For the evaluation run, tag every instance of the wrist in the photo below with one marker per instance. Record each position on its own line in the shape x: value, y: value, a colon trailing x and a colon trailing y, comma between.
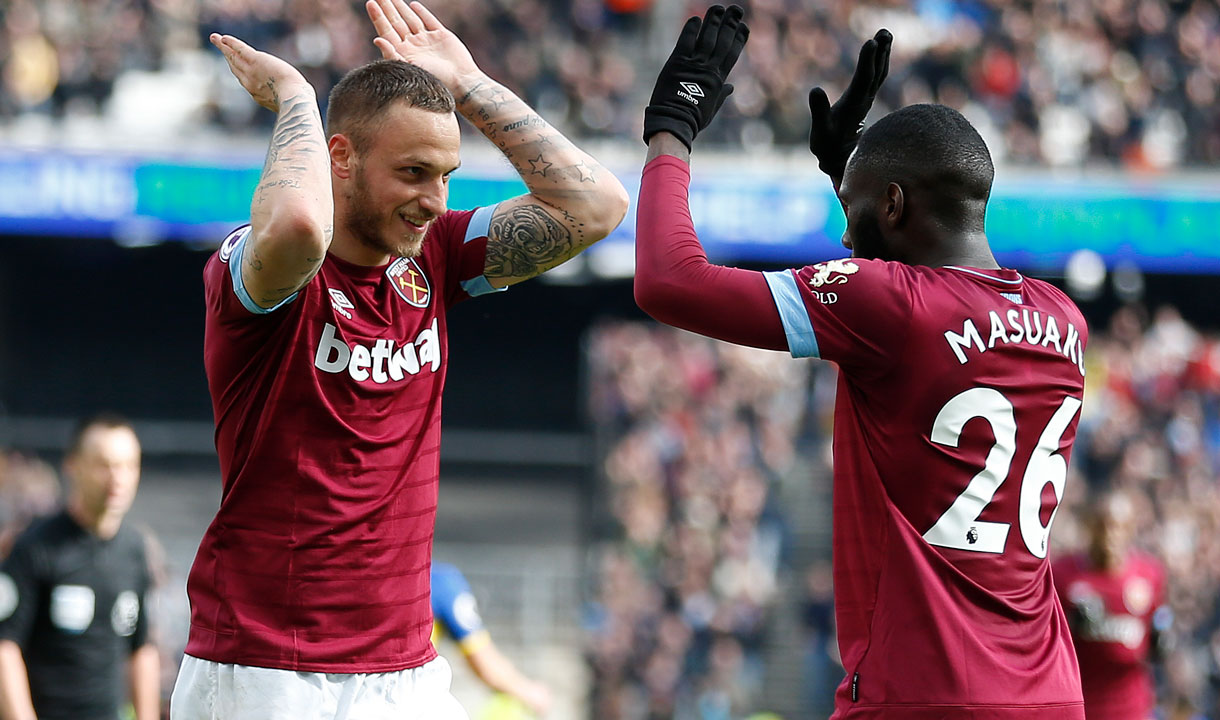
x: 464, y: 86
x: 291, y: 89
x: 666, y: 143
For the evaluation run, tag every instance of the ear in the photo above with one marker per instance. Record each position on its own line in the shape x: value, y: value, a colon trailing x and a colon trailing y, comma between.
x: 342, y: 155
x: 895, y: 205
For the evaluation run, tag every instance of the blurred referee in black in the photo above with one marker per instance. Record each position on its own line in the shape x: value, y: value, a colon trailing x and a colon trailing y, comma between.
x: 72, y: 594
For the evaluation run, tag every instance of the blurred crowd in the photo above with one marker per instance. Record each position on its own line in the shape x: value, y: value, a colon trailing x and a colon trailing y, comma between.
x: 1060, y: 82
x: 1151, y: 425
x: 696, y: 435
x: 29, y: 489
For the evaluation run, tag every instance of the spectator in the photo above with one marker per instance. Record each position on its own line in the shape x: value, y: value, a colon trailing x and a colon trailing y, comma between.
x: 1113, y: 600
x: 28, y: 489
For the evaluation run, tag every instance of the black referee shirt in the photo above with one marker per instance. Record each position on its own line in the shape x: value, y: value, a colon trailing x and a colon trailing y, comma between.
x: 75, y: 604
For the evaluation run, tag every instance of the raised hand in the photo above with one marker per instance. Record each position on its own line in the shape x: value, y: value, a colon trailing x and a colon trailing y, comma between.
x: 835, y: 129
x: 691, y: 86
x: 412, y: 33
x: 268, y: 79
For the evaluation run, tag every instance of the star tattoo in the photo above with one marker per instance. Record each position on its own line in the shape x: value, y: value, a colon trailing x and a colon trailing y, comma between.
x: 538, y: 166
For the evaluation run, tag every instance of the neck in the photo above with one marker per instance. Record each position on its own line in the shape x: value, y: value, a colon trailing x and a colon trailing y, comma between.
x: 965, y: 249
x: 1107, y: 562
x: 103, y: 524
x: 345, y: 246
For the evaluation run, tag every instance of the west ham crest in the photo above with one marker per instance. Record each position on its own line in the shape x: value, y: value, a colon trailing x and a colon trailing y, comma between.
x: 409, y: 282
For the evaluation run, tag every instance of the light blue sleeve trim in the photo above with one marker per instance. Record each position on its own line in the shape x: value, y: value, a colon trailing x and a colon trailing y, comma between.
x: 477, y: 286
x: 801, y: 340
x: 480, y: 225
x: 239, y: 285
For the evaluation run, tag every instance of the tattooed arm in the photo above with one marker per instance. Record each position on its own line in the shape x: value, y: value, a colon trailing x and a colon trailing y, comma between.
x: 573, y: 201
x: 292, y: 213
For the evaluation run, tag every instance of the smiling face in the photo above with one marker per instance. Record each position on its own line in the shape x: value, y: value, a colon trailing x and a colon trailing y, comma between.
x: 389, y: 192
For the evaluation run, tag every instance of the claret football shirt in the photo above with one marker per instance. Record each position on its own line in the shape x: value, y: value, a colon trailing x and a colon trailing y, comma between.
x: 328, y: 414
x: 958, y: 397
x: 959, y: 394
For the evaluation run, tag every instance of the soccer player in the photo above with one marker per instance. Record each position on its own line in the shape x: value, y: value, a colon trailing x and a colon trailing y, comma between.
x: 325, y: 350
x: 1114, y: 596
x: 73, y: 620
x: 456, y: 614
x: 959, y: 388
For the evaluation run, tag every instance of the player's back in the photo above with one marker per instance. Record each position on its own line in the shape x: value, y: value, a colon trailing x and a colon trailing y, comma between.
x: 956, y: 410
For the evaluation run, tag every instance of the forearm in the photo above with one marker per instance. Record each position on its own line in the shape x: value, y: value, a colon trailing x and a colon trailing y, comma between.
x: 296, y: 173
x: 586, y: 196
x: 501, y: 675
x: 495, y: 670
x: 292, y: 212
x: 674, y: 282
x: 15, y: 701
x: 293, y: 196
x: 145, y: 682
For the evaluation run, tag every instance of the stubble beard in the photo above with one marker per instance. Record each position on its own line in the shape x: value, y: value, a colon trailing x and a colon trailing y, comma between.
x: 365, y: 224
x: 868, y: 243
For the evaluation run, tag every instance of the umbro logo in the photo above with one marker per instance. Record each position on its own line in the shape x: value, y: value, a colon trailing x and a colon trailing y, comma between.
x: 692, y: 88
x: 691, y: 92
x: 340, y: 302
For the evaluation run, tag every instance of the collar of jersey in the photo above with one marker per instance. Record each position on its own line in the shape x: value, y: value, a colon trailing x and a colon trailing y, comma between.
x: 351, y: 269
x: 1002, y: 277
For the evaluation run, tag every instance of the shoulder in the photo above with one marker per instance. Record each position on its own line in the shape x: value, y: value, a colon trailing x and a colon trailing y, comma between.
x: 457, y: 227
x: 131, y: 539
x: 849, y: 267
x: 40, y: 540
x: 218, y: 270
x: 226, y: 254
x: 47, y: 530
x: 1058, y: 298
x: 852, y: 277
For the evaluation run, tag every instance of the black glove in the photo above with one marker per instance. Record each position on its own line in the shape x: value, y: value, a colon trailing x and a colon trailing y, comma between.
x: 691, y: 86
x: 836, y: 129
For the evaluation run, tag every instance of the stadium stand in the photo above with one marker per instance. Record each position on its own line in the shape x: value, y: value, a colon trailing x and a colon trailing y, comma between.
x: 696, y: 435
x: 1129, y: 83
x: 1152, y: 426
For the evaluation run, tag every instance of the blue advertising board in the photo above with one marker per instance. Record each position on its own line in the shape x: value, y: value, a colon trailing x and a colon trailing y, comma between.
x: 774, y: 217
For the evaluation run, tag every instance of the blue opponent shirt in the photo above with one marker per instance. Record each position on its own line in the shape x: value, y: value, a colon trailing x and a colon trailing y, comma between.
x: 454, y: 609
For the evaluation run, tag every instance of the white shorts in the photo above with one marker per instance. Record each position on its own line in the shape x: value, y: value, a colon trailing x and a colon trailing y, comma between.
x: 207, y: 690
